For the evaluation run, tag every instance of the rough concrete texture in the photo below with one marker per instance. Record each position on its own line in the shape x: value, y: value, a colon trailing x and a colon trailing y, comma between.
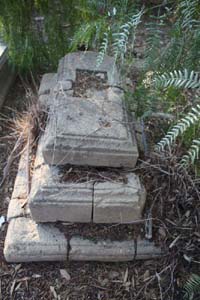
x: 18, y: 203
x: 111, y: 251
x: 90, y: 131
x: 51, y: 201
x: 47, y: 83
x: 27, y: 241
x: 87, y: 61
x: 116, y: 202
x: 7, y: 75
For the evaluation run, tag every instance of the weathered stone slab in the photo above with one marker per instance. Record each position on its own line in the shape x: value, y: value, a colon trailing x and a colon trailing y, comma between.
x: 47, y: 83
x: 90, y: 131
x: 87, y: 61
x: 17, y: 206
x: 7, y: 75
x: 116, y: 202
x: 27, y: 241
x: 111, y: 251
x: 51, y: 201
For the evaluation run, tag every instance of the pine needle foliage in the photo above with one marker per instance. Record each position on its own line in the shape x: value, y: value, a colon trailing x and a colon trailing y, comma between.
x: 192, y: 287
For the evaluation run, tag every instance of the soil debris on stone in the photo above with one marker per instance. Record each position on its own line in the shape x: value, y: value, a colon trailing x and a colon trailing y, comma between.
x: 86, y: 80
x: 80, y: 174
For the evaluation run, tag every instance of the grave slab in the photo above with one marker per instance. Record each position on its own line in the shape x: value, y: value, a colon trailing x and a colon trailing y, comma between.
x: 111, y: 251
x: 18, y: 204
x: 90, y: 131
x: 51, y: 201
x: 87, y: 61
x: 116, y: 202
x: 47, y: 83
x: 27, y: 241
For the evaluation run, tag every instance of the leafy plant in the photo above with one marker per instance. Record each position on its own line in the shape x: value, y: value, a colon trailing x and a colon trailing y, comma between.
x: 184, y: 79
x: 192, y: 287
x: 190, y: 119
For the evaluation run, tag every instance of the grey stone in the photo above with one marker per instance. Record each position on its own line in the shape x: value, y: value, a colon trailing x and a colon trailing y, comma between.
x: 18, y: 203
x: 90, y: 131
x: 116, y: 202
x: 87, y: 61
x: 50, y: 200
x: 47, y: 83
x: 7, y: 74
x: 111, y: 251
x: 27, y: 241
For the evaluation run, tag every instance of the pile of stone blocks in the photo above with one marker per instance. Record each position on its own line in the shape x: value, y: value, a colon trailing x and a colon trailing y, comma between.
x: 93, y: 130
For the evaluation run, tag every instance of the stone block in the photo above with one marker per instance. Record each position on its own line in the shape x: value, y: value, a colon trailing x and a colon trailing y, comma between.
x: 7, y: 74
x: 90, y: 131
x: 17, y: 206
x: 111, y: 251
x: 116, y: 202
x: 51, y: 201
x: 72, y: 62
x: 27, y: 241
x: 47, y: 83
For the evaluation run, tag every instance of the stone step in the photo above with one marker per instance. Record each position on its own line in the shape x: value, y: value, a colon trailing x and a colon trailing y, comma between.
x: 109, y: 201
x: 27, y: 241
x: 94, y: 129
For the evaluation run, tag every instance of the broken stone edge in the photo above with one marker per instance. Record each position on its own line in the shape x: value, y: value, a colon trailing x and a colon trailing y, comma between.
x: 27, y: 241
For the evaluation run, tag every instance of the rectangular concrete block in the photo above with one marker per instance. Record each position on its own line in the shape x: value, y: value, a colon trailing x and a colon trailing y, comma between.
x: 111, y: 251
x: 90, y: 131
x: 7, y: 74
x: 50, y: 200
x: 118, y: 202
x: 87, y: 61
x: 17, y: 206
x: 47, y: 83
x: 27, y: 241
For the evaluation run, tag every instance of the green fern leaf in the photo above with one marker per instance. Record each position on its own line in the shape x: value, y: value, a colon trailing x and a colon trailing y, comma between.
x: 192, y: 287
x: 179, y: 79
x: 190, y: 119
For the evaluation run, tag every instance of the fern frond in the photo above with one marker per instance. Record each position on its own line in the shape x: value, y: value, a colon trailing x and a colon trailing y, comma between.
x: 192, y: 287
x: 188, y: 10
x: 192, y: 153
x: 102, y: 50
x: 121, y: 38
x: 183, y: 79
x: 190, y: 119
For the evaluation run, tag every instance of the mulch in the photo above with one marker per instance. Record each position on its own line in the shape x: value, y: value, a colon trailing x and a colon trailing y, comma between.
x: 173, y: 203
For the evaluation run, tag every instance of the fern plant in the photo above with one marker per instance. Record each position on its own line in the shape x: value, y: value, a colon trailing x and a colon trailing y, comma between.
x: 192, y: 287
x: 190, y: 119
x: 183, y: 79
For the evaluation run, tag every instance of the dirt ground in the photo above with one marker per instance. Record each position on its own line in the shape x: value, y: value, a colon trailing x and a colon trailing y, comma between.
x: 175, y: 218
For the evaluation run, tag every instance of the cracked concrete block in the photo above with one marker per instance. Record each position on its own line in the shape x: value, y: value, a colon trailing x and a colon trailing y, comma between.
x: 17, y: 206
x: 90, y: 131
x: 111, y: 251
x: 27, y: 241
x: 51, y: 200
x: 87, y: 61
x: 118, y: 202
